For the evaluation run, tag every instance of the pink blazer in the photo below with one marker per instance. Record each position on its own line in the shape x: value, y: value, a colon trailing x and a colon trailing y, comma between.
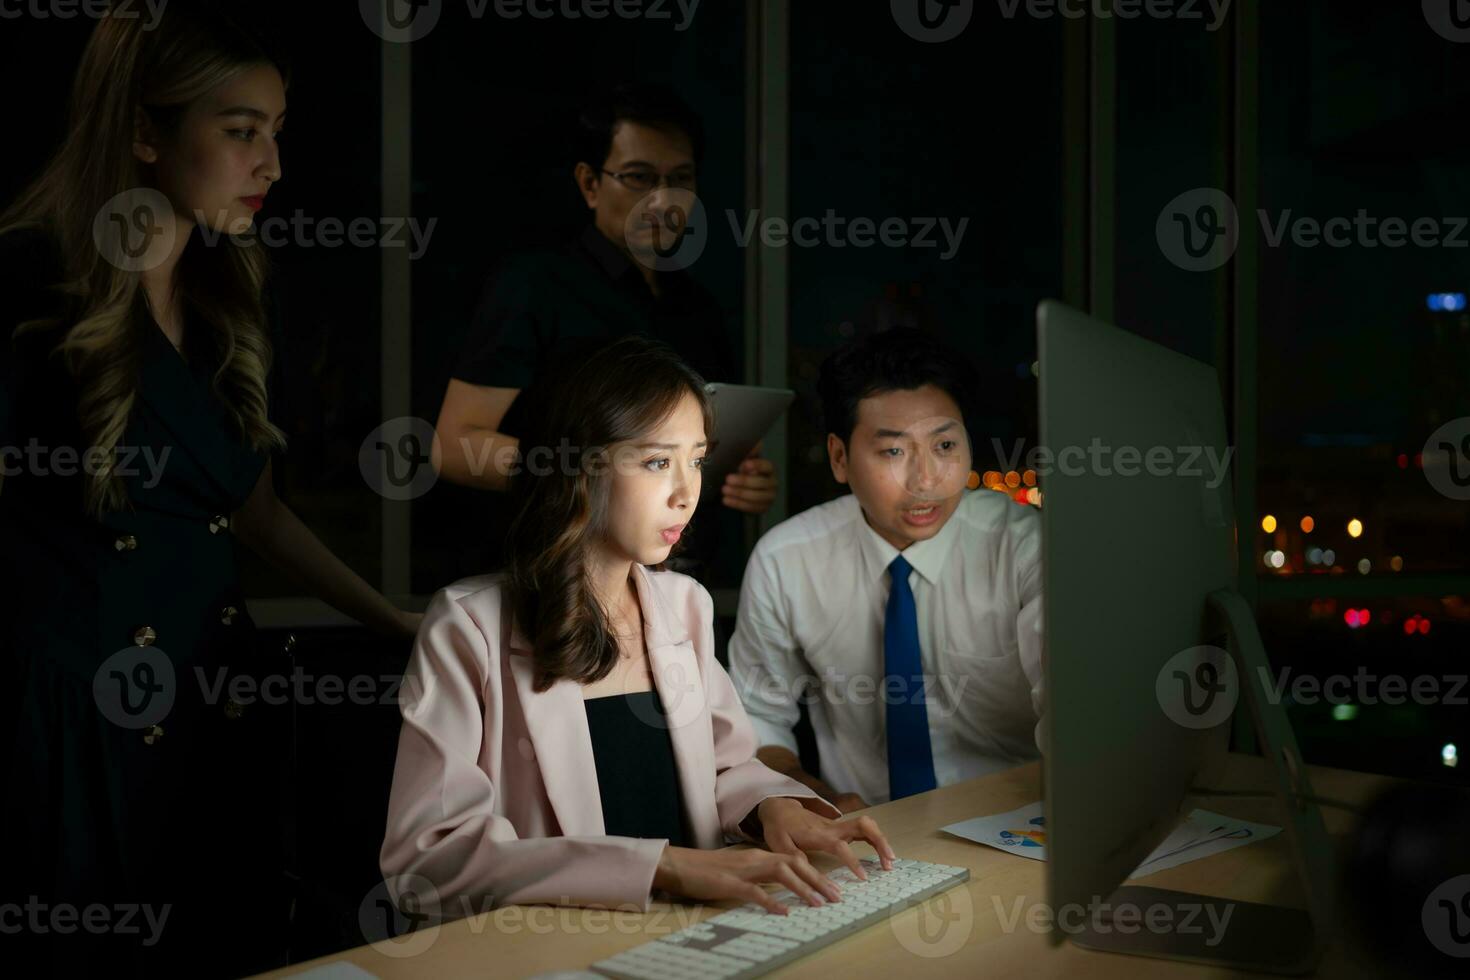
x: 495, y: 797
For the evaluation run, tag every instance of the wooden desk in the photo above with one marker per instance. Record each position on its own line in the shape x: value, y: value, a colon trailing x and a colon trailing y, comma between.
x: 972, y: 931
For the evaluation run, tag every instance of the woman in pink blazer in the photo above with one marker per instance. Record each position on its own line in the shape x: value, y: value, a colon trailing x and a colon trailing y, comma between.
x: 568, y: 736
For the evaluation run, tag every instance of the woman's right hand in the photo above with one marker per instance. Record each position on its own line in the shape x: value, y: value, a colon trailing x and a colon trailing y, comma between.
x: 722, y: 874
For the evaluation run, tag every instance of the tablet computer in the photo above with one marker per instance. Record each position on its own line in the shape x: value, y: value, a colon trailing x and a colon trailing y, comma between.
x: 743, y: 416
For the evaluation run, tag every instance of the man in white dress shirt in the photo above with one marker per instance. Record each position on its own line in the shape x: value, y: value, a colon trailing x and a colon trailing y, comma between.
x: 922, y: 685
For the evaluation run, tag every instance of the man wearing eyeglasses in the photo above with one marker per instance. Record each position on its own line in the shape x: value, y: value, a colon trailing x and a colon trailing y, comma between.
x: 637, y: 151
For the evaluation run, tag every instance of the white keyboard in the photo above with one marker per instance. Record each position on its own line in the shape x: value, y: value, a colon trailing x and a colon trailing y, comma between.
x: 750, y: 942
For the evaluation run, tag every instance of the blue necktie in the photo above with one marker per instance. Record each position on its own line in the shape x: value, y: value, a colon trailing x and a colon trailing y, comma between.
x: 910, y: 760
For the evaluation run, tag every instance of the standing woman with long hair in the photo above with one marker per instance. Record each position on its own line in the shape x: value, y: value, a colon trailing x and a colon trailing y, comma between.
x: 142, y: 818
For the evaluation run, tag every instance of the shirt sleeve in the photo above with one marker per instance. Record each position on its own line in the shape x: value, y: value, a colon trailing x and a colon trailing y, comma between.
x: 766, y: 664
x: 742, y: 781
x: 1027, y: 562
x: 445, y: 843
x: 507, y: 331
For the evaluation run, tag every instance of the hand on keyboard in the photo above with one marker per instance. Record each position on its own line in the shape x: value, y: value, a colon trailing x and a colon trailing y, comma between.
x: 791, y: 828
x: 715, y: 875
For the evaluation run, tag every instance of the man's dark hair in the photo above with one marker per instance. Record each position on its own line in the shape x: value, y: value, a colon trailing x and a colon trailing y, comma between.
x: 892, y: 360
x: 647, y: 103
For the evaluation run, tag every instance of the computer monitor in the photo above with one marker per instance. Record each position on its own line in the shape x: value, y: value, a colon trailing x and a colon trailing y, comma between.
x: 1148, y: 648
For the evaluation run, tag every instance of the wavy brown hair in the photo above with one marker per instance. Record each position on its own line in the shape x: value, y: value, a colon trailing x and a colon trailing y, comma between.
x: 161, y: 68
x: 616, y: 394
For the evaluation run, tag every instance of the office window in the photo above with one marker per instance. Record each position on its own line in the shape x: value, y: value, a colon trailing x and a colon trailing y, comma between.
x: 960, y: 142
x: 1364, y: 336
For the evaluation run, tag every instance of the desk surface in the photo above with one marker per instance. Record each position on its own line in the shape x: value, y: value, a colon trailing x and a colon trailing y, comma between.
x: 971, y: 931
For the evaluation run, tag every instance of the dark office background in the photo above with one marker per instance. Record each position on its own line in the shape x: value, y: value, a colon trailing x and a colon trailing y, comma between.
x: 1060, y: 141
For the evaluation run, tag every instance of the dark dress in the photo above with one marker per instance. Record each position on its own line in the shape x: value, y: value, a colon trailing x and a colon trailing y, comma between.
x: 133, y: 782
x: 636, y: 776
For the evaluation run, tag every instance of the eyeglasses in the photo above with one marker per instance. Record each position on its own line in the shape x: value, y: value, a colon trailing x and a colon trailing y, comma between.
x: 646, y: 180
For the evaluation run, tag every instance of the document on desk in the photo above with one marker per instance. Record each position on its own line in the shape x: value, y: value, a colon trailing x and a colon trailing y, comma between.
x: 1198, y: 835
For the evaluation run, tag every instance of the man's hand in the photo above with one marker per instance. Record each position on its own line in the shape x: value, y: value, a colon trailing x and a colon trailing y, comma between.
x: 751, y: 489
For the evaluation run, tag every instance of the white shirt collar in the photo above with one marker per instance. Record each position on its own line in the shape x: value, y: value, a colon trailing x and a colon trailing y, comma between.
x: 927, y: 557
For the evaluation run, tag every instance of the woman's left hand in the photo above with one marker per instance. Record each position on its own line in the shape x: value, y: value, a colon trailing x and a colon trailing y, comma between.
x: 791, y: 828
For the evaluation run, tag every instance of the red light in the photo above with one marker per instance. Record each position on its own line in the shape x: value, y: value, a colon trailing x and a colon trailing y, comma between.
x: 1363, y: 617
x: 1419, y: 460
x: 1351, y: 618
x: 1403, y: 461
x: 1409, y: 626
x: 1423, y: 626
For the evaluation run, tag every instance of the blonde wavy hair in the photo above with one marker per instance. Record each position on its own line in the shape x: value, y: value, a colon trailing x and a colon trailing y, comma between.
x: 192, y: 49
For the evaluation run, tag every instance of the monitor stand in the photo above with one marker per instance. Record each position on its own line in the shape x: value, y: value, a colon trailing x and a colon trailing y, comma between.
x: 1263, y: 938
